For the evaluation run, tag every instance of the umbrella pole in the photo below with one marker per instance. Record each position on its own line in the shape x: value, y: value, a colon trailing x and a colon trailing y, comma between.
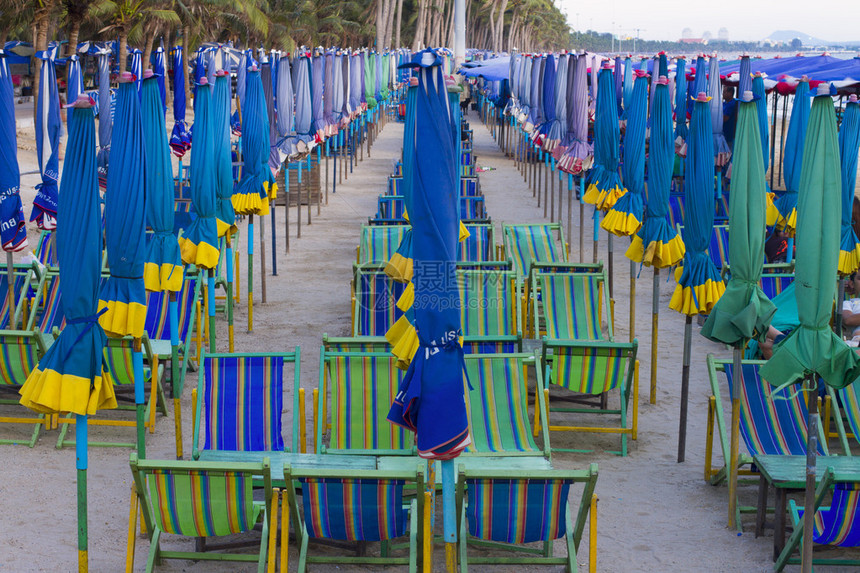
x: 341, y: 134
x: 569, y: 208
x: 274, y: 241
x: 539, y: 173
x: 632, y: 300
x: 334, y: 170
x: 251, y: 272
x: 230, y: 272
x: 319, y: 178
x: 546, y: 174
x: 449, y: 518
x: 139, y: 396
x: 173, y: 310
x: 809, y: 495
x: 308, y: 159
x: 327, y: 142
x: 596, y: 228
x: 10, y: 284
x: 737, y: 372
x: 840, y: 290
x: 299, y: 202
x: 210, y: 293
x: 81, y: 464
x: 551, y: 190
x: 560, y: 175
x: 655, y: 318
x: 581, y: 219
x: 263, y: 257
x: 685, y: 388
x: 610, y: 257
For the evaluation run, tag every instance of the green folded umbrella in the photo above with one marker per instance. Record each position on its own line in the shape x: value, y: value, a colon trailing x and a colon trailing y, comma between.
x: 744, y: 311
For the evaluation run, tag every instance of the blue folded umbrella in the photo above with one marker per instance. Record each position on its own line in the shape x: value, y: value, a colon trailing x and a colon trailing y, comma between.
x: 13, y: 234
x: 49, y: 128
x: 180, y: 138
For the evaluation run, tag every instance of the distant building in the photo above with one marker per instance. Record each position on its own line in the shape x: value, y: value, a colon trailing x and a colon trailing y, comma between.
x: 692, y: 41
x: 723, y: 34
x: 706, y: 36
x: 686, y: 33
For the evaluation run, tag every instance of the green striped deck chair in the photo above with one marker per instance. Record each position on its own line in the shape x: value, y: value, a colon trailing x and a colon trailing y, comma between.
x: 497, y: 404
x: 489, y: 310
x: 374, y: 301
x: 240, y: 402
x: 46, y: 250
x: 846, y: 410
x: 591, y: 369
x: 534, y: 243
x: 26, y: 277
x: 202, y: 500
x: 523, y: 513
x: 118, y: 359
x: 774, y: 283
x: 356, y: 390
x: 379, y: 242
x: 46, y: 308
x: 395, y: 184
x: 355, y: 343
x: 357, y: 506
x: 480, y: 245
x: 20, y: 352
x: 570, y: 305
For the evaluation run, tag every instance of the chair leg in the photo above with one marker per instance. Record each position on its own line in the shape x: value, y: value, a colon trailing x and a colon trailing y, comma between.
x: 132, y: 537
x: 463, y: 541
x: 413, y: 536
x: 154, y: 551
x: 709, y: 439
x: 303, y: 551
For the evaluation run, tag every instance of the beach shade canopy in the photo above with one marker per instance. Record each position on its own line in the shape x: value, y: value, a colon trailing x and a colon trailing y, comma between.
x: 627, y: 82
x: 251, y: 196
x: 336, y: 94
x: 222, y: 157
x: 657, y: 243
x: 722, y: 152
x: 744, y: 311
x: 74, y: 78
x: 159, y: 68
x: 605, y: 187
x: 680, y: 102
x: 180, y: 138
x: 49, y: 128
x: 557, y: 123
x: 578, y: 153
x: 619, y: 87
x: 547, y: 95
x: 199, y: 243
x: 105, y: 119
x: 135, y: 62
x: 329, y: 120
x: 268, y: 75
x: 699, y: 286
x: 163, y: 269
x: 122, y: 304
x: 813, y: 347
x: 70, y: 377
x: 625, y: 216
x: 434, y: 383
x: 317, y: 78
x: 535, y: 117
x: 369, y: 81
x: 849, y: 144
x: 355, y: 82
x: 284, y: 98
x: 793, y: 156
x: 13, y: 234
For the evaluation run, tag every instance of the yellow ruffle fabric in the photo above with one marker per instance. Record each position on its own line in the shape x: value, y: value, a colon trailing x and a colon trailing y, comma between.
x: 250, y: 204
x: 404, y: 341
x: 790, y: 224
x: 407, y: 298
x: 592, y: 194
x: 122, y: 318
x: 849, y: 261
x: 620, y: 224
x: 464, y: 233
x: 609, y: 197
x: 771, y: 212
x: 49, y: 392
x: 224, y: 228
x: 706, y: 296
x: 164, y: 277
x: 657, y: 254
x: 399, y: 268
x: 272, y: 191
x: 202, y: 255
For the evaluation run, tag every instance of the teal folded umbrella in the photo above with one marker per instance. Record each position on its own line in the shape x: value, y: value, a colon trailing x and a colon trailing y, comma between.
x: 793, y: 156
x: 849, y: 143
x: 222, y: 157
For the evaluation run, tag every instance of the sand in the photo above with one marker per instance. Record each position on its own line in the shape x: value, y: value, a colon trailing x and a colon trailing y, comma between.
x: 654, y: 514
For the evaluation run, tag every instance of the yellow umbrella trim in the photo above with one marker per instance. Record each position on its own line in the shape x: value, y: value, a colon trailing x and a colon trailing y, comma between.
x: 706, y: 296
x: 202, y: 255
x: 122, y: 318
x: 164, y: 277
x: 657, y: 254
x: 50, y: 392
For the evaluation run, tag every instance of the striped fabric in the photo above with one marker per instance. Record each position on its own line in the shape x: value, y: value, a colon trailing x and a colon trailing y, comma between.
x: 395, y: 185
x: 497, y: 406
x: 721, y: 215
x: 850, y: 401
x: 676, y: 209
x: 243, y: 403
x: 118, y: 358
x: 490, y: 346
x: 487, y: 302
x: 516, y: 511
x: 472, y: 208
x: 570, y: 304
x: 390, y: 208
x: 772, y: 422
x: 839, y: 524
x: 354, y: 509
x: 376, y: 296
x: 379, y: 242
x: 18, y: 358
x: 479, y: 246
x: 157, y: 324
x: 531, y: 243
x: 4, y: 288
x: 774, y: 284
x: 52, y: 314
x: 46, y: 250
x: 719, y: 247
x: 469, y: 187
x: 362, y: 390
x: 589, y: 370
x: 202, y: 503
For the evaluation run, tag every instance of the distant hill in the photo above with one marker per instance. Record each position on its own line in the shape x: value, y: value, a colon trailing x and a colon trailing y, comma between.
x: 787, y: 36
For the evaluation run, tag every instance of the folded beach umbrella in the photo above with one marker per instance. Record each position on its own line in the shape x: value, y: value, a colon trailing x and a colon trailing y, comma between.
x: 625, y: 216
x: 535, y: 98
x: 317, y: 83
x: 657, y: 243
x: 680, y: 102
x: 13, y: 234
x: 268, y: 77
x: 369, y: 80
x: 180, y: 138
x: 163, y: 269
x: 722, y: 152
x: 525, y: 89
x: 595, y: 70
x: 241, y: 75
x: 199, y: 71
x: 605, y: 188
x: 49, y: 128
x: 252, y: 194
x: 618, y: 74
x: 627, y: 82
x: 135, y: 62
x: 222, y: 157
x: 71, y: 376
x: 547, y: 100
x: 211, y: 65
x: 105, y: 119
x: 699, y: 286
x: 337, y: 92
x: 792, y: 157
x: 159, y: 68
x: 284, y: 99
x: 558, y: 126
x: 579, y: 154
x: 760, y: 98
x: 362, y: 78
x: 849, y: 145
x: 385, y: 78
x: 356, y: 75
x: 74, y: 79
x: 329, y: 121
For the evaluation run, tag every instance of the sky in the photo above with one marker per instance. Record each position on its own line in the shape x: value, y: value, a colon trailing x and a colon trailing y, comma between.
x: 744, y: 19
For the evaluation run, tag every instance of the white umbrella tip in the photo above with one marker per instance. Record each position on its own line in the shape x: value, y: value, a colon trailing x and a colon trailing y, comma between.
x: 126, y: 77
x: 148, y: 73
x: 83, y: 101
x: 823, y: 89
x: 748, y: 96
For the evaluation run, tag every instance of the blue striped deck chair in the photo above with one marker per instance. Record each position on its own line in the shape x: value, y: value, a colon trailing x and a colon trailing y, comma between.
x: 524, y: 513
x: 721, y: 213
x: 48, y: 315
x: 480, y: 245
x: 470, y: 187
x: 473, y: 208
x: 676, y: 210
x: 774, y: 283
x: 118, y: 359
x: 356, y: 390
x: 591, y: 369
x: 46, y: 250
x: 718, y: 248
x: 467, y: 170
x: 391, y: 208
x: 497, y: 404
x: 24, y: 277
x: 570, y: 305
x: 528, y: 244
x: 395, y: 185
x: 374, y: 302
x: 378, y: 243
x: 489, y: 311
x: 398, y: 169
x: 202, y: 500
x: 846, y: 410
x: 355, y: 343
x: 771, y: 422
x: 357, y: 506
x: 240, y: 403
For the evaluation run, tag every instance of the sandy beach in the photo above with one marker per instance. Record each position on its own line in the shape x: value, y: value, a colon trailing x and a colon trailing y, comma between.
x: 654, y: 514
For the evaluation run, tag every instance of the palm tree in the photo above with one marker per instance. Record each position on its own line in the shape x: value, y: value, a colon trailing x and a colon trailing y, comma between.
x: 125, y: 17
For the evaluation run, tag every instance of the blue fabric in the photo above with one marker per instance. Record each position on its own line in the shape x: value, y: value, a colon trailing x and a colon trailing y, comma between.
x: 316, y: 81
x: 619, y: 87
x: 633, y: 168
x: 680, y: 100
x: 105, y: 119
x: 849, y: 143
x: 13, y: 234
x: 606, y: 133
x: 535, y: 100
x: 492, y: 70
x: 74, y: 81
x: 255, y: 138
x: 627, y: 83
x: 135, y: 58
x: 221, y: 153
x: 284, y: 98
x: 548, y: 94
x: 204, y: 228
x: 180, y: 138
x: 792, y: 162
x: 159, y: 68
x: 761, y: 107
x: 716, y: 104
x: 49, y: 128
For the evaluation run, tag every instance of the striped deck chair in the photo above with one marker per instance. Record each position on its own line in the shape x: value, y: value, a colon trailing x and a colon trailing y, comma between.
x: 201, y: 500
x: 470, y: 187
x: 513, y: 511
x: 676, y: 210
x: 570, y: 305
x: 837, y: 525
x: 480, y: 245
x: 498, y: 406
x: 355, y: 392
x: 391, y: 208
x: 534, y: 243
x: 378, y: 243
x: 468, y: 170
x: 718, y: 248
x: 240, y: 402
x: 20, y: 352
x: 374, y: 302
x: 24, y: 276
x: 774, y: 283
x: 46, y: 250
x: 46, y: 311
x: 357, y: 506
x: 489, y: 311
x: 721, y: 214
x: 395, y: 185
x: 119, y: 362
x: 591, y: 369
x: 846, y: 409
x: 355, y: 343
x: 473, y: 208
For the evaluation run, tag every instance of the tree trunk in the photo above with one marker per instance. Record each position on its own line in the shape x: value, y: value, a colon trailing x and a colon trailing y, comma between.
x: 500, y: 27
x: 123, y: 49
x: 74, y: 32
x: 147, y: 51
x: 380, y: 25
x: 186, y: 45
x: 419, y: 26
x: 40, y: 23
x: 451, y: 32
x: 388, y: 19
x: 397, y: 19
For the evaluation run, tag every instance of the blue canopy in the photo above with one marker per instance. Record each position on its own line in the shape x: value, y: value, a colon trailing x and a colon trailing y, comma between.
x: 722, y: 151
x: 49, y: 128
x: 13, y: 234
x: 136, y: 65
x: 547, y: 90
x: 284, y: 98
x: 792, y: 157
x: 317, y: 78
x: 578, y: 154
x: 849, y: 144
x: 180, y: 138
x: 74, y: 79
x: 493, y: 70
x: 535, y: 100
